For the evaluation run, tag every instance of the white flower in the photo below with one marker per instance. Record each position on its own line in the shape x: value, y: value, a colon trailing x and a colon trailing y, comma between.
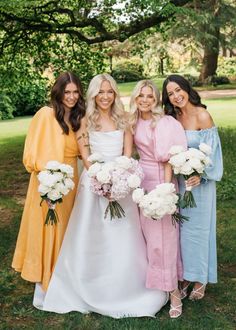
x: 49, y: 179
x: 108, y: 166
x: 205, y: 148
x: 196, y: 164
x: 137, y: 195
x: 187, y: 169
x: 133, y: 181
x: 54, y: 195
x: 53, y: 165
x: 195, y: 153
x: 165, y: 188
x: 95, y: 157
x: 61, y: 188
x: 103, y: 176
x: 94, y: 169
x: 67, y: 169
x: 178, y: 160
x: 123, y: 162
x: 176, y: 149
x: 43, y: 190
x: 207, y: 161
x: 69, y: 183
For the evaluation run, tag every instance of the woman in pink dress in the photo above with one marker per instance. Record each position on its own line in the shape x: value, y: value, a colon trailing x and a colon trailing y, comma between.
x: 154, y: 135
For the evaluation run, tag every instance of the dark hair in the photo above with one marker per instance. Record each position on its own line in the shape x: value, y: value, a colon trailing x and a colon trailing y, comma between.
x: 57, y: 94
x: 184, y: 84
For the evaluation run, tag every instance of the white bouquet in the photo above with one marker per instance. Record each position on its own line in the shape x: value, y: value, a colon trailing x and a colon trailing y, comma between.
x: 159, y: 202
x: 189, y: 163
x: 55, y: 182
x: 114, y: 180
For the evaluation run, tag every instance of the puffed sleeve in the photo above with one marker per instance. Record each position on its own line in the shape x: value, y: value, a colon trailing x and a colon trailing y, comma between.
x: 44, y: 141
x: 210, y: 136
x: 168, y: 132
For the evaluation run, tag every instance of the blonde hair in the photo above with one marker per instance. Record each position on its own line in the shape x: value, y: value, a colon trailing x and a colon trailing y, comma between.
x: 92, y: 113
x: 157, y: 111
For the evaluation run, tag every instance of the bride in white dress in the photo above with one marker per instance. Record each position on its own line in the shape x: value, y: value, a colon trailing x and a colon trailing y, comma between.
x: 102, y: 263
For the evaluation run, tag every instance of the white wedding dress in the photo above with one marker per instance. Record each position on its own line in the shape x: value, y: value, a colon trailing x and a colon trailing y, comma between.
x: 102, y: 263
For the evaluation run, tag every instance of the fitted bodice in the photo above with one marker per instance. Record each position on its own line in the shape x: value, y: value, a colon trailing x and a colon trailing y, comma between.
x: 109, y: 144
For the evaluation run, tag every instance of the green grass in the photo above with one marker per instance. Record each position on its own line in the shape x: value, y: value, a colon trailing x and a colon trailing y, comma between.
x: 223, y: 111
x: 14, y: 127
x: 215, y: 311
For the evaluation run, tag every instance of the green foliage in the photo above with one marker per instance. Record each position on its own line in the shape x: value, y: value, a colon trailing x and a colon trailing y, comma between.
x: 6, y: 107
x: 128, y: 70
x: 227, y: 67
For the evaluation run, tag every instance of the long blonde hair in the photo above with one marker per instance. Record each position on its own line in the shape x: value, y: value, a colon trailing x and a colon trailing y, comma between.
x: 92, y: 113
x: 157, y: 111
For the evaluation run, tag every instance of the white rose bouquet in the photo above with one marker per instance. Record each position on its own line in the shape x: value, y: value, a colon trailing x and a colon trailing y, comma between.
x: 189, y: 163
x: 55, y: 182
x: 114, y: 180
x: 159, y: 202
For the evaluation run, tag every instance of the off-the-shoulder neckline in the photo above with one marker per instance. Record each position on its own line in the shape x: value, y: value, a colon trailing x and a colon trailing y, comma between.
x: 201, y: 130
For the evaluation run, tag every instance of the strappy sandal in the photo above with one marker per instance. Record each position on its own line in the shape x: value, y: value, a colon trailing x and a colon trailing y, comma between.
x: 177, y: 309
x: 184, y: 291
x: 197, y: 294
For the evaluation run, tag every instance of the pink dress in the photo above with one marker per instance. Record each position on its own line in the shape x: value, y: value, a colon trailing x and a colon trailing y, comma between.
x: 162, y: 237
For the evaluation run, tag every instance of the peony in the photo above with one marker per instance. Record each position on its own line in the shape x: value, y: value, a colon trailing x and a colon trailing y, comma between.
x: 187, y: 169
x: 54, y: 195
x: 174, y: 150
x: 67, y: 169
x: 43, y: 190
x: 178, y: 160
x: 53, y: 165
x: 95, y: 157
x: 69, y: 183
x: 94, y: 169
x: 103, y: 176
x: 165, y: 188
x: 123, y: 162
x: 48, y: 179
x: 205, y: 148
x: 137, y: 195
x: 134, y: 181
x: 61, y: 188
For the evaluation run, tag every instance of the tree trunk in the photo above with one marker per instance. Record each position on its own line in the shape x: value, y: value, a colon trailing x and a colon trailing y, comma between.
x: 209, y: 63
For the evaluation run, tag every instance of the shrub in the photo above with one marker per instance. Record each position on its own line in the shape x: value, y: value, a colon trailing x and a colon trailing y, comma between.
x: 125, y: 71
x: 227, y: 67
x: 217, y: 80
x: 6, y: 107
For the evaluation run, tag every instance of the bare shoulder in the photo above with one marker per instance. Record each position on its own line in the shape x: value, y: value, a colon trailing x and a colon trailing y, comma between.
x: 204, y: 119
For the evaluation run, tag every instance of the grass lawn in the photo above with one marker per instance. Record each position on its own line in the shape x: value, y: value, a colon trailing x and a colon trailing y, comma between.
x: 215, y: 311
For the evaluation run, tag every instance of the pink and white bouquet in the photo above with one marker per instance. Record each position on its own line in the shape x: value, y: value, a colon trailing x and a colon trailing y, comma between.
x: 114, y: 180
x: 161, y: 201
x: 189, y: 163
x: 55, y: 182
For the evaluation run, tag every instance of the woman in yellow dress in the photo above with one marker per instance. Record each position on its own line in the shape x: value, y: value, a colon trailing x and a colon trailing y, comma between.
x: 51, y: 136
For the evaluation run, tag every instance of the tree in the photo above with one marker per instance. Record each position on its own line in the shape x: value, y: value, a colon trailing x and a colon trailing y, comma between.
x: 87, y: 21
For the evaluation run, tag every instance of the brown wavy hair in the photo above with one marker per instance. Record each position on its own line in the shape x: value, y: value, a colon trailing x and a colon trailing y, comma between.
x: 184, y: 84
x: 57, y: 94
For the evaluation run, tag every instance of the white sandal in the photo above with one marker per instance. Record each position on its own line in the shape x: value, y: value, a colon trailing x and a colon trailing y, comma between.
x: 184, y: 291
x: 177, y: 308
x: 196, y: 294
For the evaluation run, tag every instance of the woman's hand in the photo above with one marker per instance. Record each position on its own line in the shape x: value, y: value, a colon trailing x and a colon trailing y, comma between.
x: 193, y: 181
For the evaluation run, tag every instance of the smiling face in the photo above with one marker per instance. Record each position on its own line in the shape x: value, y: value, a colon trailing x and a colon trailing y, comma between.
x: 145, y: 101
x: 70, y: 97
x: 177, y: 96
x: 105, y: 97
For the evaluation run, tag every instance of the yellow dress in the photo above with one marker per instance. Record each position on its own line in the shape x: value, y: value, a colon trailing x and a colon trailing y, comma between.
x: 38, y: 245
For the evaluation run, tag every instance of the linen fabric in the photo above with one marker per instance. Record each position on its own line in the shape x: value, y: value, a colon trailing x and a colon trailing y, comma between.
x: 102, y: 263
x: 198, y: 235
x: 38, y: 245
x: 162, y: 237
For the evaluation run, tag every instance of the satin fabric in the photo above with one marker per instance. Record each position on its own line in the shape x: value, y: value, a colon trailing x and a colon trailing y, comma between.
x: 198, y: 235
x: 162, y: 237
x: 102, y: 263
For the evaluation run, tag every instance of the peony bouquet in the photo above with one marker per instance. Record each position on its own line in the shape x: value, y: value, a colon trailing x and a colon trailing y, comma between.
x: 55, y: 182
x: 114, y: 180
x: 189, y: 163
x: 159, y: 202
